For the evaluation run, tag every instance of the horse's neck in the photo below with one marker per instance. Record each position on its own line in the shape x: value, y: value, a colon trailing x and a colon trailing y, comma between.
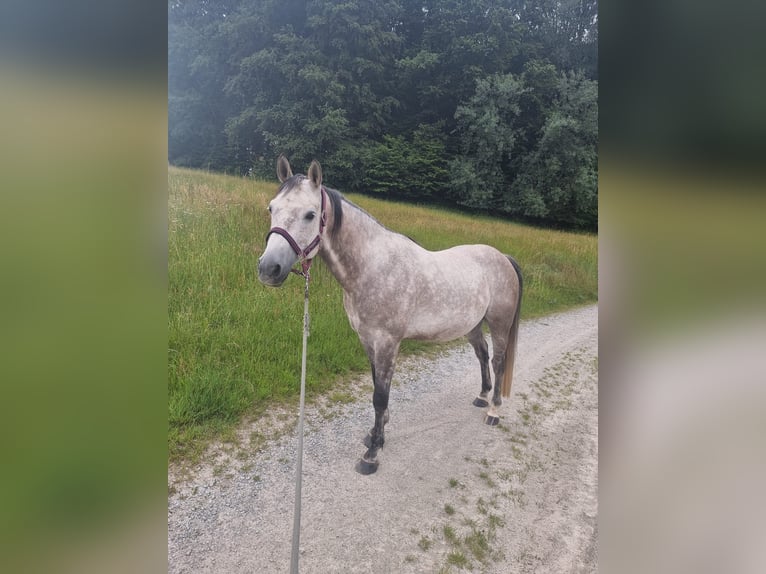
x: 350, y: 251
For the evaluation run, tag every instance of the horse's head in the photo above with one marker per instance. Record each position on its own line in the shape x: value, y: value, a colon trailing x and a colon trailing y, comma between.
x: 297, y: 221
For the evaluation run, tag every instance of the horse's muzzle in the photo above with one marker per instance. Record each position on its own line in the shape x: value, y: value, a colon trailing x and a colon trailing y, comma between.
x: 271, y: 272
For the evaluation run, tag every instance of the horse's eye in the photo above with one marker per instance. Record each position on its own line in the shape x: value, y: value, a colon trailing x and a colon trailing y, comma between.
x: 310, y: 215
x: 269, y: 208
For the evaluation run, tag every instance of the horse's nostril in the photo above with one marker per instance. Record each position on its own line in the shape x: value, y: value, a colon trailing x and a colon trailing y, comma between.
x: 268, y: 268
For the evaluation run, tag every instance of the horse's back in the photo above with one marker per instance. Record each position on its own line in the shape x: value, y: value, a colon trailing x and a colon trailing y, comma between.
x: 481, y: 262
x: 457, y: 288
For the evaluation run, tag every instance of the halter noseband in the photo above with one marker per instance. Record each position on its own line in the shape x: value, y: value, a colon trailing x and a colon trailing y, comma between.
x: 303, y: 253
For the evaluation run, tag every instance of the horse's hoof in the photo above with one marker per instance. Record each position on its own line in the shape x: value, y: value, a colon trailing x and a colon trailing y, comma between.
x: 479, y: 402
x: 366, y: 466
x: 491, y: 421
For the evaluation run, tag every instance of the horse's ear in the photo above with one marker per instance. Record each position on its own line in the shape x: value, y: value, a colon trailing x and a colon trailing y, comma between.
x: 283, y: 169
x: 315, y: 173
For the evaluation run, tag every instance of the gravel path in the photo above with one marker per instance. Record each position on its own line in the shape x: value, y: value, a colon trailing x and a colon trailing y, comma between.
x: 451, y: 493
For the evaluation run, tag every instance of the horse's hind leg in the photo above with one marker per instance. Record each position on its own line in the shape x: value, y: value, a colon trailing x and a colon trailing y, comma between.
x: 479, y: 343
x: 498, y: 365
x: 499, y: 332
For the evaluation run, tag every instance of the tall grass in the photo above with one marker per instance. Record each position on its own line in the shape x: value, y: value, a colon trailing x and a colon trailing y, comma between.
x: 234, y: 344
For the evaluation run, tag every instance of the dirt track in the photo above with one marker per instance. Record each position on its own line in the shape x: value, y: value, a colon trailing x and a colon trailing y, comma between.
x: 450, y: 492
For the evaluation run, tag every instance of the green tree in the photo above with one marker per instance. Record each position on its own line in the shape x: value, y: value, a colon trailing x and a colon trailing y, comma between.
x: 558, y: 180
x: 565, y: 32
x: 313, y: 88
x: 196, y: 64
x: 448, y: 46
x: 458, y: 101
x: 488, y: 124
x: 402, y: 168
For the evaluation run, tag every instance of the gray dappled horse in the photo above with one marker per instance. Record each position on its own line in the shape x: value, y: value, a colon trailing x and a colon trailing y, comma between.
x: 394, y: 289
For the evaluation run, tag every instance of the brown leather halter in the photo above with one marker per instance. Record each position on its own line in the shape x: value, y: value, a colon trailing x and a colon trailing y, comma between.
x: 303, y: 253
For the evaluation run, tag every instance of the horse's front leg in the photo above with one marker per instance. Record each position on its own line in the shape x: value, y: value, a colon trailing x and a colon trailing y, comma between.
x: 368, y: 439
x: 382, y: 359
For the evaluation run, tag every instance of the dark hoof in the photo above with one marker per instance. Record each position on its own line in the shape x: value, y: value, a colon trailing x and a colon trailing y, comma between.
x: 479, y: 402
x: 366, y: 467
x: 491, y: 421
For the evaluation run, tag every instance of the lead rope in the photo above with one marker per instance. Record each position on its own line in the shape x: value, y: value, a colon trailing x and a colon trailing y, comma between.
x: 299, y: 464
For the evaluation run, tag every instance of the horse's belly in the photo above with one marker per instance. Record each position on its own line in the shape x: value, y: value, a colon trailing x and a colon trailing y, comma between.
x: 440, y: 335
x: 441, y: 325
x: 449, y: 308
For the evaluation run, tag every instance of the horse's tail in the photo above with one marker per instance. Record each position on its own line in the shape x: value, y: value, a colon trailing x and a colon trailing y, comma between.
x: 510, y: 351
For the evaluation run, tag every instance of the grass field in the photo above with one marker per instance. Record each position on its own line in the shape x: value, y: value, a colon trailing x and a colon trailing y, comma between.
x: 234, y: 344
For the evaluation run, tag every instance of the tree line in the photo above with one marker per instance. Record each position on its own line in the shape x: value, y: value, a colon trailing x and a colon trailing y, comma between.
x: 488, y: 105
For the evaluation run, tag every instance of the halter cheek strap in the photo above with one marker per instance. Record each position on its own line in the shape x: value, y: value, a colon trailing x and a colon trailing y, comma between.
x: 303, y: 253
